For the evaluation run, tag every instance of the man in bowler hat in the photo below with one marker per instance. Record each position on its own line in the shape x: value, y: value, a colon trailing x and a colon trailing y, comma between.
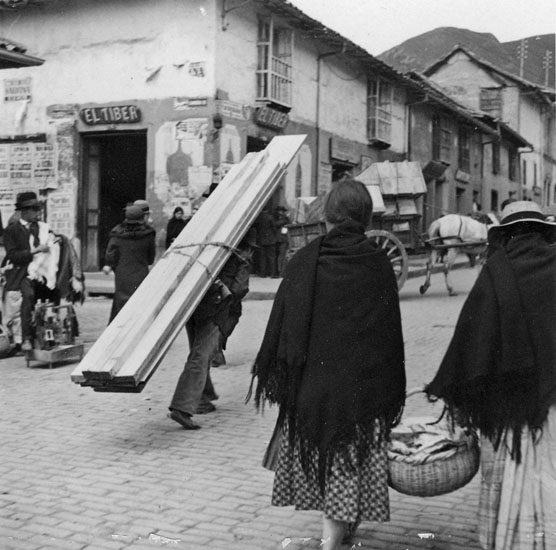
x: 24, y: 241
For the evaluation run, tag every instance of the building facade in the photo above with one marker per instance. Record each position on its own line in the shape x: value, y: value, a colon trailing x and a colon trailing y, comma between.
x: 524, y: 107
x: 158, y: 100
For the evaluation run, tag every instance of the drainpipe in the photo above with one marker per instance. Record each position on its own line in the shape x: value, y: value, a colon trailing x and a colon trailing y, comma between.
x: 320, y: 57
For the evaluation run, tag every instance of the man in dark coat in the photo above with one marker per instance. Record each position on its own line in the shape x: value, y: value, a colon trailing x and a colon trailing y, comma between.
x: 130, y: 251
x: 266, y: 239
x: 24, y: 241
x: 208, y: 328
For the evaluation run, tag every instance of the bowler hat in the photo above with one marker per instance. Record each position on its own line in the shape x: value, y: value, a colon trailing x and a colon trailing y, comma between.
x: 143, y: 205
x: 27, y: 199
x: 134, y: 214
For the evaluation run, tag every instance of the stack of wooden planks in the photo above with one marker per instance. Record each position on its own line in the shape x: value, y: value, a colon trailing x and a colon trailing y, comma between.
x: 131, y: 348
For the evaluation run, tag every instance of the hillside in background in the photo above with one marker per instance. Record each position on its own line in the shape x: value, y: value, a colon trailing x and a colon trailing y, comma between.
x: 421, y: 51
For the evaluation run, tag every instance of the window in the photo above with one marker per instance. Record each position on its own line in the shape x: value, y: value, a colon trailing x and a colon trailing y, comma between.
x: 493, y: 200
x: 274, y: 63
x: 524, y: 173
x: 490, y: 101
x: 496, y: 158
x: 379, y: 110
x: 464, y: 149
x: 512, y: 164
x: 441, y: 139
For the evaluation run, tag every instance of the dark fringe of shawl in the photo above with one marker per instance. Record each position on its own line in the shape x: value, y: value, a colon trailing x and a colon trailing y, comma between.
x: 494, y: 407
x: 268, y: 390
x: 316, y: 463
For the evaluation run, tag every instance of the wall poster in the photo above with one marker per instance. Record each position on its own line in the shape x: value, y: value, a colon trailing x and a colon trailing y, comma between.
x: 24, y: 166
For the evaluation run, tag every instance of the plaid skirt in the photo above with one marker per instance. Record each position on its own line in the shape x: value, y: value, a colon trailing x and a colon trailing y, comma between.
x: 355, y: 490
x: 517, y: 507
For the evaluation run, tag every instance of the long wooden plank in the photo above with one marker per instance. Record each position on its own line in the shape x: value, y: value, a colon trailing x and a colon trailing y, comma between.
x: 158, y: 287
x: 183, y: 303
x: 114, y: 353
x: 172, y: 319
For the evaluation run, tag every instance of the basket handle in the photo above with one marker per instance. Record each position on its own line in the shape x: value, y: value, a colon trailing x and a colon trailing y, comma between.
x: 415, y: 390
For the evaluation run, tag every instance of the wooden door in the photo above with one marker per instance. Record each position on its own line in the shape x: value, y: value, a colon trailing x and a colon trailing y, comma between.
x: 91, y: 204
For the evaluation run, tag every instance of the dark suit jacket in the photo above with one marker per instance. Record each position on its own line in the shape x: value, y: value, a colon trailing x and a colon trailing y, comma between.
x: 18, y: 252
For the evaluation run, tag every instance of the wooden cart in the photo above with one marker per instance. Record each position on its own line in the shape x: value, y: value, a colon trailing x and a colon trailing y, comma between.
x: 301, y: 234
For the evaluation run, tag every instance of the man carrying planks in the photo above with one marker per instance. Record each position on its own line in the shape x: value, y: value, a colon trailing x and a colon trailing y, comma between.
x: 208, y: 328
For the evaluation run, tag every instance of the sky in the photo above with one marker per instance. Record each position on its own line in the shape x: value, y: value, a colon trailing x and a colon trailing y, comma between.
x: 378, y: 25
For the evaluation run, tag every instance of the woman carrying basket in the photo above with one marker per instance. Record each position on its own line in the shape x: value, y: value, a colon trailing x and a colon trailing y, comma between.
x: 332, y: 358
x: 499, y: 376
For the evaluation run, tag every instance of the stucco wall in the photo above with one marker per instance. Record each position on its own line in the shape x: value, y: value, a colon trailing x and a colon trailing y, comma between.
x: 104, y: 51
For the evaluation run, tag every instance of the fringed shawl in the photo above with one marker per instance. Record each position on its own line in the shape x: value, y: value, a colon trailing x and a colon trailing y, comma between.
x: 332, y: 356
x: 499, y: 372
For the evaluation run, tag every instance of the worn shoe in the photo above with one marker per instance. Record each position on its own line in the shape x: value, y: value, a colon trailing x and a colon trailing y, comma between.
x: 183, y: 419
x: 26, y: 346
x: 205, y: 408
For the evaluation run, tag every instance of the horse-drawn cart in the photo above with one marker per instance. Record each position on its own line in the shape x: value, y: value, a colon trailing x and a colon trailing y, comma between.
x: 450, y: 235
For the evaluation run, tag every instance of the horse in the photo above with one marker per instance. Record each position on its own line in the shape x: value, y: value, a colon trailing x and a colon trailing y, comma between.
x: 455, y: 233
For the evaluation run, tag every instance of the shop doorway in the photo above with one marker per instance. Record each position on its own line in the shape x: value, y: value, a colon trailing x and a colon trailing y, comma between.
x: 114, y: 173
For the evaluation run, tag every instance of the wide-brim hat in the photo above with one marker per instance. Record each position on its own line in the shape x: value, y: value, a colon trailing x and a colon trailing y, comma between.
x: 27, y: 199
x: 521, y: 212
x: 134, y: 214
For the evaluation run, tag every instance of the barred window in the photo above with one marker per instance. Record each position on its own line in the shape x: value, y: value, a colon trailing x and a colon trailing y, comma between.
x: 274, y: 63
x: 379, y: 110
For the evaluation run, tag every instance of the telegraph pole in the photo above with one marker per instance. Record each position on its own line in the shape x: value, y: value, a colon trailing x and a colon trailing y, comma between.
x: 522, y: 54
x: 546, y: 65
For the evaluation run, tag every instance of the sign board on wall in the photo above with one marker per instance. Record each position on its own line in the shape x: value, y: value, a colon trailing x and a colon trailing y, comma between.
x: 267, y: 116
x: 17, y: 89
x: 119, y: 114
x: 341, y: 149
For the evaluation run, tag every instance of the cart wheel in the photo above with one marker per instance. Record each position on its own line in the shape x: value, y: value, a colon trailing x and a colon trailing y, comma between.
x: 395, y: 250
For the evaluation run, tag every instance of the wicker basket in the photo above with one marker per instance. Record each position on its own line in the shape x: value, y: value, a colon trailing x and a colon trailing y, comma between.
x: 437, y: 473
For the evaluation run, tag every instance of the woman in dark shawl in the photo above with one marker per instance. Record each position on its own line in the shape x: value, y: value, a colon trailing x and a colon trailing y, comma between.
x: 130, y: 251
x: 175, y: 225
x: 499, y: 376
x: 332, y: 359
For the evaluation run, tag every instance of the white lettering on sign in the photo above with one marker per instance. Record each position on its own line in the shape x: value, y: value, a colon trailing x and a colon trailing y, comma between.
x: 265, y: 116
x: 122, y: 114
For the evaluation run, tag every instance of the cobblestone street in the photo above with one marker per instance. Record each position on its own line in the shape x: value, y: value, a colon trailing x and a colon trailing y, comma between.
x: 84, y: 470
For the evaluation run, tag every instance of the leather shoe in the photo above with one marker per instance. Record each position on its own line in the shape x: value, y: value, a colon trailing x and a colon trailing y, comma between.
x: 183, y: 419
x: 26, y: 346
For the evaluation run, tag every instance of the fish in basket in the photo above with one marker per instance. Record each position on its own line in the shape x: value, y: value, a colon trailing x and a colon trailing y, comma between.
x: 430, y: 457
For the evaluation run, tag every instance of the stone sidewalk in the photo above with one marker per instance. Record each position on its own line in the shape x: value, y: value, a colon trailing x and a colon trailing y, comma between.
x: 94, y: 471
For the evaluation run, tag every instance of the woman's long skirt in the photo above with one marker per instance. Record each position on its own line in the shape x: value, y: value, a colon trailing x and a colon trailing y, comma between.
x: 356, y: 487
x: 517, y: 509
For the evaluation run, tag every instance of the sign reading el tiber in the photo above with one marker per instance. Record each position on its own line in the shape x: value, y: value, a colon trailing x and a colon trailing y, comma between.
x: 122, y: 114
x: 267, y: 116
